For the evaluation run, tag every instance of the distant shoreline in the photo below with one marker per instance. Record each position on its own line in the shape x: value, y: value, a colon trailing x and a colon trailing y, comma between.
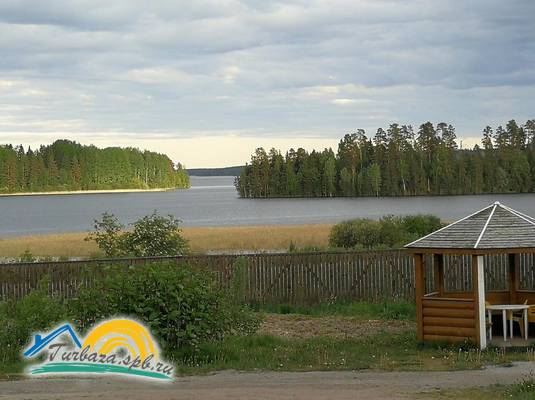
x: 102, y: 191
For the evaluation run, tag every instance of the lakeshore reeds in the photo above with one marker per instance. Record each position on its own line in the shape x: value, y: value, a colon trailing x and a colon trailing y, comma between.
x: 202, y: 240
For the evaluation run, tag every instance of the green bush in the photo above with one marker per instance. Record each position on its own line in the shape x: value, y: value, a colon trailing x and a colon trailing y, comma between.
x: 421, y: 225
x: 150, y: 236
x: 356, y: 233
x: 35, y: 312
x: 181, y: 305
x: 154, y: 235
x: 389, y: 232
x: 393, y: 232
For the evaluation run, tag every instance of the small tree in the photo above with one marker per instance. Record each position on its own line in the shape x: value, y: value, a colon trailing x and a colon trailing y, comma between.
x: 152, y: 235
x: 109, y: 235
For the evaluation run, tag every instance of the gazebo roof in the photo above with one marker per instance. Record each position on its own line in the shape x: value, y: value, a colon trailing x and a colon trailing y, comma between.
x: 494, y: 227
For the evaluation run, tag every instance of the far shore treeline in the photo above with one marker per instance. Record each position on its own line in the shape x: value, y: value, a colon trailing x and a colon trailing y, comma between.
x: 399, y: 161
x: 66, y: 165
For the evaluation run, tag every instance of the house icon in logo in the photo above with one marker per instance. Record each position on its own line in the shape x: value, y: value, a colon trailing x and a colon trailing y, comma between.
x: 40, y: 342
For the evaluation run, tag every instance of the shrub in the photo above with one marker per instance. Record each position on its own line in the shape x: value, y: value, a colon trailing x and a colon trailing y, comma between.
x: 390, y: 231
x: 393, y: 232
x: 358, y: 232
x: 108, y: 235
x: 181, y: 305
x: 421, y: 225
x: 27, y: 257
x: 20, y: 319
x: 154, y: 235
x: 151, y: 236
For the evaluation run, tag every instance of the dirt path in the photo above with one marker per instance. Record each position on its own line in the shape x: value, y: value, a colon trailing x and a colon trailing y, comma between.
x: 266, y: 385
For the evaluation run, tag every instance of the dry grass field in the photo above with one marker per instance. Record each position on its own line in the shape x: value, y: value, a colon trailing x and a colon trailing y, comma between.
x: 202, y: 239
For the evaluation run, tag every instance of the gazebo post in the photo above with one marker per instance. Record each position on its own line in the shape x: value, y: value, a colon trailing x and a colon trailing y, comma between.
x: 438, y: 262
x: 514, y: 264
x: 419, y: 284
x: 478, y: 287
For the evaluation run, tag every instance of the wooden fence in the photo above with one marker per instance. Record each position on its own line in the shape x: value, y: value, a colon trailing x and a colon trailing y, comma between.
x: 277, y: 278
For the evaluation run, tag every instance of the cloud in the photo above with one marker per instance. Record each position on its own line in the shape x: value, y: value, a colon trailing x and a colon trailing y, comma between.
x: 157, y: 75
x: 230, y: 74
x: 261, y: 68
x: 343, y: 102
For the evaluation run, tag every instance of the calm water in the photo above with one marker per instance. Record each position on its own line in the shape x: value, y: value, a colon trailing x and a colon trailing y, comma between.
x: 213, y: 201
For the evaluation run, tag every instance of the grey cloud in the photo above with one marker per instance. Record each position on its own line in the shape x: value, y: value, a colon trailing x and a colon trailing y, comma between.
x: 256, y: 66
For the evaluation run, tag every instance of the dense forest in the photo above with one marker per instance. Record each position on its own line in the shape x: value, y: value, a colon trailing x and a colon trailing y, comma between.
x: 66, y: 165
x: 399, y: 161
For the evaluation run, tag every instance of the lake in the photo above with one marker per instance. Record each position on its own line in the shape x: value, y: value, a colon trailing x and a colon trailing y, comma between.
x: 213, y: 201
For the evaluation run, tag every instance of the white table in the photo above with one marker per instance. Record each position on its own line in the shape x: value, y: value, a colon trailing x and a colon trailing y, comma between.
x: 510, y: 307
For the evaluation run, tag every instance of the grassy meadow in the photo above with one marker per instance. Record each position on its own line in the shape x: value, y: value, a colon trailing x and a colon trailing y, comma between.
x: 202, y: 239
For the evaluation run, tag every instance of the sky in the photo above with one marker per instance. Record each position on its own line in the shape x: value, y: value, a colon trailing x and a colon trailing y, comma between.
x: 207, y: 82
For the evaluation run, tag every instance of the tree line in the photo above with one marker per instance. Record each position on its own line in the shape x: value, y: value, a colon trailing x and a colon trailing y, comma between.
x: 67, y: 165
x: 398, y: 161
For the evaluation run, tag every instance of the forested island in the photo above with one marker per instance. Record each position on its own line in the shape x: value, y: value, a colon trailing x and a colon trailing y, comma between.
x: 399, y: 161
x: 69, y: 166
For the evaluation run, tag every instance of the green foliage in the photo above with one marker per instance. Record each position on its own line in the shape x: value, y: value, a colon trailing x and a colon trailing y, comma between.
x: 387, y: 310
x: 155, y: 235
x: 390, y: 231
x: 384, y: 351
x: 421, y: 225
x: 27, y: 257
x: 522, y: 390
x: 267, y: 352
x: 181, y: 305
x: 151, y: 236
x: 67, y: 165
x: 35, y: 312
x: 108, y: 235
x: 358, y: 232
x: 398, y: 162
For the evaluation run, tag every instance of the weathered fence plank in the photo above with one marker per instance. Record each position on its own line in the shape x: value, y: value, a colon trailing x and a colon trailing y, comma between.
x: 280, y: 278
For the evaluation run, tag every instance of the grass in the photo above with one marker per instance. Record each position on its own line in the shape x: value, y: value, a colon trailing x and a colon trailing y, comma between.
x: 202, y: 239
x: 524, y: 390
x: 391, y: 347
x: 381, y: 352
x: 386, y: 310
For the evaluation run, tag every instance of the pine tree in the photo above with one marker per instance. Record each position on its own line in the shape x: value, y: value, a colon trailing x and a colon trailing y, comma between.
x: 396, y: 163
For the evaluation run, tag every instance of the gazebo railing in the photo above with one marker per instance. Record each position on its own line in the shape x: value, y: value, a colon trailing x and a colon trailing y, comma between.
x: 448, y: 319
x: 458, y: 273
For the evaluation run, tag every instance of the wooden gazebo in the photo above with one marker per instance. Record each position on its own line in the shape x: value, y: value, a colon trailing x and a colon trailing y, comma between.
x: 456, y: 316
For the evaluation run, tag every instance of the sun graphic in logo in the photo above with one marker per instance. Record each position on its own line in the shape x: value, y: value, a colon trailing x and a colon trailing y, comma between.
x: 110, y: 336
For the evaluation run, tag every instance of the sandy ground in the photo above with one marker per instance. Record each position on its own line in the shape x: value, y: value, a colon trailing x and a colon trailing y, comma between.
x: 99, y: 191
x: 267, y: 385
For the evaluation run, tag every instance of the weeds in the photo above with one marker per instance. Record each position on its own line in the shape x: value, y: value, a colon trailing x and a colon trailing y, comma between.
x: 386, y: 310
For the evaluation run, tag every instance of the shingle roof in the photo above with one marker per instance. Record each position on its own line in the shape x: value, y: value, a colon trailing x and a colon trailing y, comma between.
x: 494, y: 227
